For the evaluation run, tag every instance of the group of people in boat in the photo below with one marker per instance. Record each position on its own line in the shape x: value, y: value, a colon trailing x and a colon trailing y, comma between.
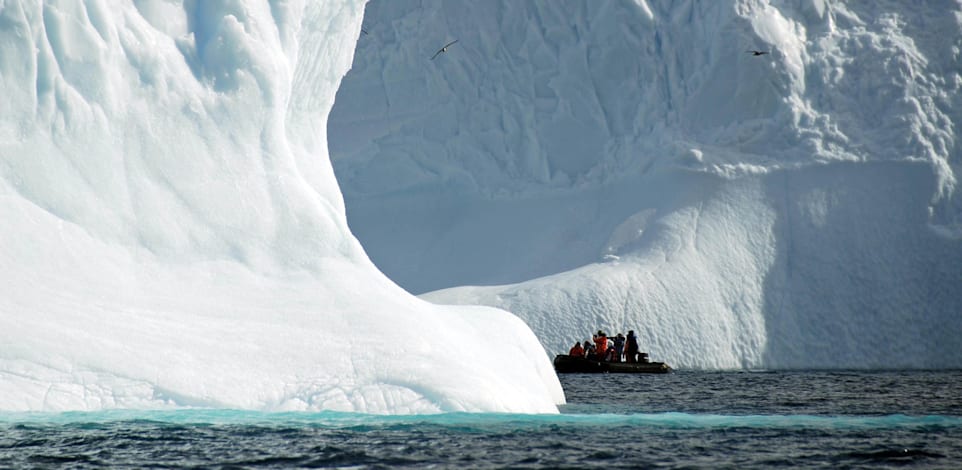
x: 620, y: 348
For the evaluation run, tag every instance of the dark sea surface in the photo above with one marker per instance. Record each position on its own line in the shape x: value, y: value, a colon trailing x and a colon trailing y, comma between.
x: 685, y: 419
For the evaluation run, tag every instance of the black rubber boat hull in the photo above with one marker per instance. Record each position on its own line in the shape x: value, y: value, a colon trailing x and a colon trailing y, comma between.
x: 565, y: 364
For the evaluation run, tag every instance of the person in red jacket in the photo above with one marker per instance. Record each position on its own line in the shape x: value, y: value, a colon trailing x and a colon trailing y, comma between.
x: 601, y: 344
x: 577, y: 350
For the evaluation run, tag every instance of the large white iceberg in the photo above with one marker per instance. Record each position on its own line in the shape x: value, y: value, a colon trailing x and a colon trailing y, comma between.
x: 631, y: 165
x: 173, y: 235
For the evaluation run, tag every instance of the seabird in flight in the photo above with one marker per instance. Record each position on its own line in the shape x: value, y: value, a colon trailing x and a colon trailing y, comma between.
x: 753, y: 52
x: 443, y: 49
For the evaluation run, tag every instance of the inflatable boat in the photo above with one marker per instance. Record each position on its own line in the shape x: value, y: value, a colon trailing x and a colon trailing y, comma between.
x: 564, y: 364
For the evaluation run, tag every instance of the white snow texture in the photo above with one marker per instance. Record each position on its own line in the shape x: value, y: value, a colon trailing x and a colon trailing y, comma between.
x: 173, y: 234
x: 626, y: 165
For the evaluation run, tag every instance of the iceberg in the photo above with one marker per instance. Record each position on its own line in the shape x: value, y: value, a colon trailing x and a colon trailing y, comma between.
x: 632, y: 165
x: 174, y: 236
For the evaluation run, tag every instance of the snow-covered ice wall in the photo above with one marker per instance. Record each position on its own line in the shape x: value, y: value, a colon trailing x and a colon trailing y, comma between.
x: 630, y: 165
x: 172, y: 234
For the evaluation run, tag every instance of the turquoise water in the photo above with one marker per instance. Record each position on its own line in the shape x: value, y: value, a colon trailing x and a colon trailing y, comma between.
x: 684, y: 419
x: 466, y: 421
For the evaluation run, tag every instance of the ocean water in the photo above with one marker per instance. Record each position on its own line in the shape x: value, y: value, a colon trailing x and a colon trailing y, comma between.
x: 795, y: 419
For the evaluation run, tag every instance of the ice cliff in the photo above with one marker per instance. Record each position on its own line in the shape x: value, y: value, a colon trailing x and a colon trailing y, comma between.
x: 629, y: 165
x: 173, y: 234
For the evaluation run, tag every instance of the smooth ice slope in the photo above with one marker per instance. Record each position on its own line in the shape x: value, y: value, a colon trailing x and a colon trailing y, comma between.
x: 173, y: 235
x: 628, y: 165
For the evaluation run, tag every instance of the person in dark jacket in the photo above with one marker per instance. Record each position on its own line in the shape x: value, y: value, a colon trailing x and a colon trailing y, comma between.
x: 619, y: 346
x: 631, y: 347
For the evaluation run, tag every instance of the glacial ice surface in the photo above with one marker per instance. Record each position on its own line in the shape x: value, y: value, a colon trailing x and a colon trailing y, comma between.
x: 629, y: 165
x: 173, y: 234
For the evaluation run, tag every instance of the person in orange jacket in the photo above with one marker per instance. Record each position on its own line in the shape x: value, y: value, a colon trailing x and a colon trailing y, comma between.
x: 577, y: 350
x: 601, y: 344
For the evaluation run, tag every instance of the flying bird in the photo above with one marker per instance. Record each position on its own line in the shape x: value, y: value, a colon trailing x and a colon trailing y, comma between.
x: 756, y: 53
x: 443, y: 49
